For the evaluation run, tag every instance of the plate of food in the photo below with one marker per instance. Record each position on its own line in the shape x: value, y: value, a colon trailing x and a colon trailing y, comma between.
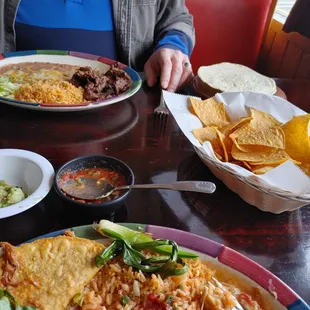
x: 64, y: 81
x: 133, y: 266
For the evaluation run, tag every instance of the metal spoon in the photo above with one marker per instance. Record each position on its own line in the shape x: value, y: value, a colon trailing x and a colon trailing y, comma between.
x: 93, y: 189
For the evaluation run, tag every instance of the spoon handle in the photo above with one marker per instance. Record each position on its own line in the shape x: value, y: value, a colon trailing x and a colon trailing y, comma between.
x: 189, y: 186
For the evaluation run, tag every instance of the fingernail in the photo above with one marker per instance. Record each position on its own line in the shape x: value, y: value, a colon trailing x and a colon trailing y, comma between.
x: 164, y: 85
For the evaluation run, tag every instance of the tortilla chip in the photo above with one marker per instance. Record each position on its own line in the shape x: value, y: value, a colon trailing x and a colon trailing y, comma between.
x: 218, y: 156
x: 305, y: 167
x: 276, y: 158
x: 247, y: 165
x: 191, y: 109
x: 210, y: 134
x: 272, y: 137
x: 242, y: 164
x: 205, y: 134
x: 261, y: 120
x: 48, y: 273
x: 209, y: 111
x: 297, y: 138
x: 228, y: 129
x: 254, y: 148
x: 262, y: 169
x: 259, y: 156
x: 237, y: 162
x: 226, y: 143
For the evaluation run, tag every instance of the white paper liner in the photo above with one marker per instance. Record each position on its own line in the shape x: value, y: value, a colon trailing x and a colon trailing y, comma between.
x: 287, y: 176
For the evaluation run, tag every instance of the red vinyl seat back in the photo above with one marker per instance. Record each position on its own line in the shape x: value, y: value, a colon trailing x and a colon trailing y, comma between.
x: 229, y: 30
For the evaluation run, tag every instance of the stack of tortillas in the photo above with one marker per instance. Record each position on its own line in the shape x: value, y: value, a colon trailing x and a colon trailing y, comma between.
x: 228, y: 77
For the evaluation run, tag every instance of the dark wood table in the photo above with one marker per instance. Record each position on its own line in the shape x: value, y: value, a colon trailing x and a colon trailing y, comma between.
x: 157, y: 153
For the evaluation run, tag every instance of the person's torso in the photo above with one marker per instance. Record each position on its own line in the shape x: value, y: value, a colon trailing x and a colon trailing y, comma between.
x: 75, y: 25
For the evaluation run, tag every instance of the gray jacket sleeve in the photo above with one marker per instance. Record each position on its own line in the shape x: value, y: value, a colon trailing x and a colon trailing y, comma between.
x: 174, y: 15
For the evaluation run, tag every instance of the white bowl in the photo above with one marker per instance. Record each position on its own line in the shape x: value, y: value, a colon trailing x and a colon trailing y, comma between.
x: 28, y: 170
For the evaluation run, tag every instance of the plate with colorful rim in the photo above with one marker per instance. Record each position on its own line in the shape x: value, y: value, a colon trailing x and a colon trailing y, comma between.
x: 219, y: 256
x: 73, y: 59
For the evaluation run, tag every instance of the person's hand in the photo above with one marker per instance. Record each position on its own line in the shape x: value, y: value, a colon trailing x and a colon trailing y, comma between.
x: 172, y: 66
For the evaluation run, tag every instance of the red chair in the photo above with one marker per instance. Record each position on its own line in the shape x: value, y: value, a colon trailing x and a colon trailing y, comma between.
x: 229, y: 30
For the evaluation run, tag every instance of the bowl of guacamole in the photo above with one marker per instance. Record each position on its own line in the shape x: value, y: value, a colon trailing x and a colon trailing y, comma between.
x: 25, y: 179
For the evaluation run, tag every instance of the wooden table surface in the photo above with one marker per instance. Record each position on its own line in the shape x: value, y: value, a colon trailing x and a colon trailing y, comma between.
x: 156, y: 153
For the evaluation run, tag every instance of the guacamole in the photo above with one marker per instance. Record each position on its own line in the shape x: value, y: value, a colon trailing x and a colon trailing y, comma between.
x: 10, y: 195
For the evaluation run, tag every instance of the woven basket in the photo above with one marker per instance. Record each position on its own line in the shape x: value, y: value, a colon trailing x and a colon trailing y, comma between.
x: 253, y: 191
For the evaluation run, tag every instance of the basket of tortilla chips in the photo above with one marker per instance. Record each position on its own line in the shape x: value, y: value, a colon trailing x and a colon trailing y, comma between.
x: 257, y: 144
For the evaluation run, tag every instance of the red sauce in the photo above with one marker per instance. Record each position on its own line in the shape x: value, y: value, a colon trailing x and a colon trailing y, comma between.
x: 115, y: 178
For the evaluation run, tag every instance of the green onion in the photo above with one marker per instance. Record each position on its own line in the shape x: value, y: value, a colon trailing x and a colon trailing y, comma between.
x: 110, y: 252
x: 115, y: 231
x: 125, y: 300
x: 8, y: 302
x: 165, y: 266
x: 78, y: 299
x: 25, y: 308
x: 5, y: 293
x: 170, y: 300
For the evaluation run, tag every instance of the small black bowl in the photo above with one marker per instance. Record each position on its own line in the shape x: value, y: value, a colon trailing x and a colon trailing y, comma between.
x: 95, y: 161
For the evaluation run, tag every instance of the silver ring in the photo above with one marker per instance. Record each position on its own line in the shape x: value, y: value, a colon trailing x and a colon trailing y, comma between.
x: 186, y: 64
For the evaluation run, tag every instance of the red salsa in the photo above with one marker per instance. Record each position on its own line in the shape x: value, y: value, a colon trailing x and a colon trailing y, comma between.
x: 115, y: 178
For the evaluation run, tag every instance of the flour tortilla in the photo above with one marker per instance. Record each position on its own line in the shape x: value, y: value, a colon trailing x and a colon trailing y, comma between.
x: 234, y: 77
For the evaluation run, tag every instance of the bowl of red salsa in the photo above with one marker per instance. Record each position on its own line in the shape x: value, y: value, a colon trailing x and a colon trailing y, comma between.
x: 100, y: 167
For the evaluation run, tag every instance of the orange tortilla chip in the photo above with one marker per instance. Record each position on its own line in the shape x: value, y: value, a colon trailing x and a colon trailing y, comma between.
x: 262, y: 120
x: 237, y: 162
x: 306, y: 168
x: 210, y: 112
x: 276, y: 158
x: 228, y: 129
x: 247, y: 165
x: 242, y: 164
x: 297, y: 137
x: 254, y: 148
x: 262, y: 169
x: 258, y: 156
x: 210, y: 134
x: 219, y: 157
x: 205, y: 134
x: 226, y: 143
x: 272, y: 137
x: 191, y: 109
